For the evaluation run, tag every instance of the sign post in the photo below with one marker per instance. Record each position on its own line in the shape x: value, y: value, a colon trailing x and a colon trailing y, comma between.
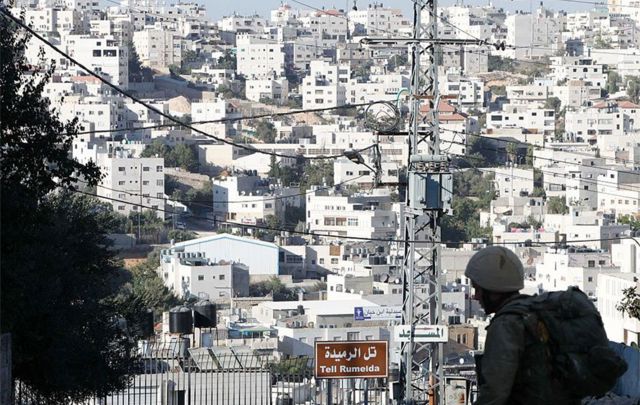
x: 353, y: 359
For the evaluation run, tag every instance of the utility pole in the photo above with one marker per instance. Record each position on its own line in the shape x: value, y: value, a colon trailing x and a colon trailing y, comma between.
x: 428, y: 197
x: 140, y: 206
x: 421, y: 371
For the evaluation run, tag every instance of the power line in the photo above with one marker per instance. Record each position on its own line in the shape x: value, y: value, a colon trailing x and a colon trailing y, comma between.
x: 208, y: 203
x: 564, y: 175
x: 238, y: 119
x: 266, y: 228
x: 148, y: 106
x: 635, y: 173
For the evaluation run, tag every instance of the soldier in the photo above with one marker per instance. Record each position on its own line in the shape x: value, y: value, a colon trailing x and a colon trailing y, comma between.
x: 514, y: 368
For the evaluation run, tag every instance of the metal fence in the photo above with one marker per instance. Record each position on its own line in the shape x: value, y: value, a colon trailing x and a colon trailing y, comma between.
x: 171, y: 373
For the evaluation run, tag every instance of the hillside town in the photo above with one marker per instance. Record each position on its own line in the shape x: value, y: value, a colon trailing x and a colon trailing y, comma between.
x: 255, y: 170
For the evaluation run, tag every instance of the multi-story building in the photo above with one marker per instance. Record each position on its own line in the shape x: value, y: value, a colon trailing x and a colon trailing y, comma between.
x: 267, y: 89
x: 243, y: 25
x: 532, y: 36
x: 104, y: 55
x: 536, y: 120
x: 620, y: 327
x: 259, y: 58
x: 619, y: 192
x: 325, y: 86
x: 193, y: 275
x: 132, y: 182
x: 158, y: 48
x: 513, y: 182
x: 378, y: 20
x: 561, y: 268
x: 249, y: 199
x: 365, y: 216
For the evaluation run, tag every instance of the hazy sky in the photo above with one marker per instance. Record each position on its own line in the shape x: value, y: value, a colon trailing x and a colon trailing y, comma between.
x: 220, y: 8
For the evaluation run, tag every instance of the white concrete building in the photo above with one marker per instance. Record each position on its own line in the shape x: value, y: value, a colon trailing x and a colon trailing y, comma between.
x: 267, y: 89
x: 572, y: 266
x: 619, y: 192
x: 378, y: 21
x: 193, y: 275
x: 513, y: 182
x: 158, y: 48
x: 259, y: 58
x: 532, y: 36
x: 126, y: 178
x: 626, y: 255
x: 325, y: 86
x: 253, y: 24
x: 249, y: 199
x: 578, y: 68
x: 365, y: 216
x: 620, y: 327
x: 533, y: 119
x: 104, y: 55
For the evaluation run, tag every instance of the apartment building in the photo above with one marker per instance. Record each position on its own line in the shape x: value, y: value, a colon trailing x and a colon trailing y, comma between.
x: 104, y: 55
x: 365, y: 216
x: 259, y: 58
x: 572, y: 266
x: 132, y: 182
x: 158, y: 48
x: 536, y: 120
x: 193, y: 275
x: 619, y: 192
x: 267, y: 89
x: 325, y: 86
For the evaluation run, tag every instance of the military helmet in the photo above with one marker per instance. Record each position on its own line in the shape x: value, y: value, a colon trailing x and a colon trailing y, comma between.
x: 496, y: 268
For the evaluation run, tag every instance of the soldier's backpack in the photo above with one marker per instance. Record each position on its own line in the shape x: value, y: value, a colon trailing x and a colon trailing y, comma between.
x: 578, y: 348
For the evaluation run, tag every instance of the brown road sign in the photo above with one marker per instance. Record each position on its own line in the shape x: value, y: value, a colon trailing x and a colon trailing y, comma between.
x: 354, y: 359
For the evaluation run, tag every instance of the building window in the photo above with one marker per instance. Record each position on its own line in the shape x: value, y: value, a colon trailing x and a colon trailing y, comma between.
x: 121, y: 182
x: 334, y: 260
x: 159, y: 169
x: 160, y: 183
x: 145, y: 168
x: 121, y: 169
x: 590, y: 279
x: 321, y: 260
x: 353, y: 336
x: 221, y: 277
x: 200, y: 278
x: 591, y: 263
x: 352, y: 222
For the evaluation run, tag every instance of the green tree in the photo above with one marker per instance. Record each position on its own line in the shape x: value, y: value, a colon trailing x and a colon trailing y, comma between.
x: 179, y: 235
x: 58, y: 277
x: 557, y: 205
x: 498, y: 63
x: 630, y: 304
x: 157, y: 148
x: 273, y: 287
x: 634, y: 222
x: 146, y: 286
x: 613, y: 81
x: 184, y: 157
x: 317, y: 174
x: 227, y: 61
x: 633, y: 88
x: 266, y: 131
x: 498, y: 90
x: 552, y: 103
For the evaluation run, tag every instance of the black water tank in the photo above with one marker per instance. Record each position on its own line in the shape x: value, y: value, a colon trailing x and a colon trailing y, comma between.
x: 204, y: 314
x: 180, y: 320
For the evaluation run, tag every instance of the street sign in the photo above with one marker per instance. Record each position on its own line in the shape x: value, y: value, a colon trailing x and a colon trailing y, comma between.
x: 393, y: 313
x: 354, y: 359
x: 422, y: 333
